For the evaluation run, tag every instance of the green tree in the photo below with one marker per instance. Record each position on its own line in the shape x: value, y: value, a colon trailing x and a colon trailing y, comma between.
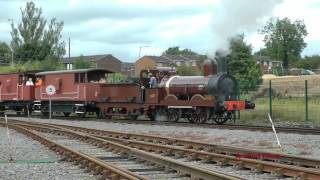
x: 81, y: 63
x: 176, y: 51
x: 284, y: 39
x: 32, y: 40
x: 5, y: 53
x: 242, y: 65
x: 309, y: 62
x: 186, y: 52
x: 116, y: 78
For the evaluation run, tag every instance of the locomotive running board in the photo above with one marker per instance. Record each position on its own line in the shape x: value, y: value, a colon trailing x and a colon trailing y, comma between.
x: 183, y: 107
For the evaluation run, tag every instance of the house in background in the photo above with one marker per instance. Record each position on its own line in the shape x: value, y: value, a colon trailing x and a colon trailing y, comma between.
x: 151, y: 62
x: 104, y: 61
x: 268, y: 65
x: 127, y: 68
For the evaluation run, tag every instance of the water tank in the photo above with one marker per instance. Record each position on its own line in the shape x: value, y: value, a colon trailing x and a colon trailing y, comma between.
x: 210, y: 67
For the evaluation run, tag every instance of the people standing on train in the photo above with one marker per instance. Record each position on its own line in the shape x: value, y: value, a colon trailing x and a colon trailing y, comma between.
x: 29, y: 82
x: 38, y: 82
x: 153, y: 81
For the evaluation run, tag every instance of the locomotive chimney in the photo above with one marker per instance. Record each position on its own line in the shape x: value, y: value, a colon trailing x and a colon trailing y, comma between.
x: 210, y: 67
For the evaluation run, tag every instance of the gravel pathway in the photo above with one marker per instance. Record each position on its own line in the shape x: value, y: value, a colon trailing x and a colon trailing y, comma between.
x: 304, y: 145
x: 32, y: 160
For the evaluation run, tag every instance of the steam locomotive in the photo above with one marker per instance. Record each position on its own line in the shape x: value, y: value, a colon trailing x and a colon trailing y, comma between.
x: 198, y: 99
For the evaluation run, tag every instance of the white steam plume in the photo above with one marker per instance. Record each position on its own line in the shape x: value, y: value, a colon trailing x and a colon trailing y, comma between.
x: 238, y: 16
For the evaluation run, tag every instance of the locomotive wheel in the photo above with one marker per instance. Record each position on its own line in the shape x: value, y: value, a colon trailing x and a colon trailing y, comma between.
x: 66, y: 114
x: 199, y: 116
x: 173, y: 115
x: 224, y: 118
x: 220, y: 120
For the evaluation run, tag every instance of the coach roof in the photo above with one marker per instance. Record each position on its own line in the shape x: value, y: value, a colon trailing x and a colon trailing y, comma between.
x: 74, y: 71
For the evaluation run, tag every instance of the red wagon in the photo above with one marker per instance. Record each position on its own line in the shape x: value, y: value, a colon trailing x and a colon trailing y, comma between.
x: 77, y: 91
x: 15, y: 94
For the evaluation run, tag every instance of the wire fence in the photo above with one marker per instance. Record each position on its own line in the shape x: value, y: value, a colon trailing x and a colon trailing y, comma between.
x: 287, y: 99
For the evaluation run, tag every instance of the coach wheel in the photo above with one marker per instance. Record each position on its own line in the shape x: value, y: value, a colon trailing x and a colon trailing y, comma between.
x: 82, y: 115
x: 173, y: 115
x: 45, y: 114
x: 66, y: 114
x: 152, y: 114
x: 133, y: 117
x: 25, y: 110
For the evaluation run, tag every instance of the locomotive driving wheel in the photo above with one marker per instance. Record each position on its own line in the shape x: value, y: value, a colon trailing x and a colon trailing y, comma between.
x: 173, y: 115
x: 198, y: 116
x: 221, y: 119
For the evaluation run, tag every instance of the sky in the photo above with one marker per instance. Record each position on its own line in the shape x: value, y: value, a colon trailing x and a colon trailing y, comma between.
x: 124, y: 27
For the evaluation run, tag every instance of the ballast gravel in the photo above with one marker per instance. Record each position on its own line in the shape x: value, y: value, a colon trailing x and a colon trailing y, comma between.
x: 24, y: 158
x: 296, y: 144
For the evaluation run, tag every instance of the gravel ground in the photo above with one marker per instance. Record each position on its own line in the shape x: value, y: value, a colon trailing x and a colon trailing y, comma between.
x: 32, y: 160
x: 304, y: 145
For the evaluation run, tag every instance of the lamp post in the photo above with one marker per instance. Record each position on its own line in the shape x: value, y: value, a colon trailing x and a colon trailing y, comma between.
x: 12, y: 53
x: 140, y: 50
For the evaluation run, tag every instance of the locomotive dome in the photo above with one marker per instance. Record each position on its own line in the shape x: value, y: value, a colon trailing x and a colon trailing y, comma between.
x: 210, y: 67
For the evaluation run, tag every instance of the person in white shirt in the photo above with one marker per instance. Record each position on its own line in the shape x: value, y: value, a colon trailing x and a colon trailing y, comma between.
x: 29, y: 82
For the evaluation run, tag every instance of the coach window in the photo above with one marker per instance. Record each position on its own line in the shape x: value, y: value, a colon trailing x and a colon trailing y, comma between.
x: 82, y: 77
x: 79, y: 78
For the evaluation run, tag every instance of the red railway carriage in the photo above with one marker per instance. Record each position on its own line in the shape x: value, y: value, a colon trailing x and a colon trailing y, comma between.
x: 76, y: 91
x: 14, y: 92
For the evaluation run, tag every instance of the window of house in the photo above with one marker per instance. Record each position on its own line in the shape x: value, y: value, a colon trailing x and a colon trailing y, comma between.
x: 265, y: 63
x: 82, y: 77
x: 194, y: 63
x: 159, y: 64
x: 187, y: 63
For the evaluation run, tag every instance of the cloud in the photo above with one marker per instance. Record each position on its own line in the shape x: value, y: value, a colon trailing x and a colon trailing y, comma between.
x: 120, y: 27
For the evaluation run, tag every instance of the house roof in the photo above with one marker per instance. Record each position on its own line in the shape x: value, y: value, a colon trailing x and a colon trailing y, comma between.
x: 92, y: 58
x: 181, y: 57
x: 264, y: 58
x: 73, y: 71
x: 159, y: 59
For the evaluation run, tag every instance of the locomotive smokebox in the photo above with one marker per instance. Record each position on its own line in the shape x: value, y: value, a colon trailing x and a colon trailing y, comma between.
x: 210, y: 67
x: 223, y: 86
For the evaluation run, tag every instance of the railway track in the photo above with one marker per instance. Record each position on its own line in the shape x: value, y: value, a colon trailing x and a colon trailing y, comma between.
x: 114, y: 160
x: 276, y: 164
x: 294, y: 130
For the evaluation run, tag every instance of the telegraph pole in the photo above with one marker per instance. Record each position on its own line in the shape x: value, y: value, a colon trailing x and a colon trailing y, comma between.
x: 12, y: 53
x: 140, y: 50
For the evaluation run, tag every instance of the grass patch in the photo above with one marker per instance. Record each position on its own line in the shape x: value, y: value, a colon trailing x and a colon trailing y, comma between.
x: 286, y: 109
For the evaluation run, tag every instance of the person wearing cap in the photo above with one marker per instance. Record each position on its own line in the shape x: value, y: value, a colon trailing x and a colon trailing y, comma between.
x: 153, y: 81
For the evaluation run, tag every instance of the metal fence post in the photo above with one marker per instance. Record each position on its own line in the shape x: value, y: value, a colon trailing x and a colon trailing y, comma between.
x: 306, y: 98
x: 238, y: 95
x: 270, y: 98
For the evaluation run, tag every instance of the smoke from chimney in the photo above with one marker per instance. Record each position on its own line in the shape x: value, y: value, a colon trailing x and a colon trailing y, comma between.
x: 234, y: 16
